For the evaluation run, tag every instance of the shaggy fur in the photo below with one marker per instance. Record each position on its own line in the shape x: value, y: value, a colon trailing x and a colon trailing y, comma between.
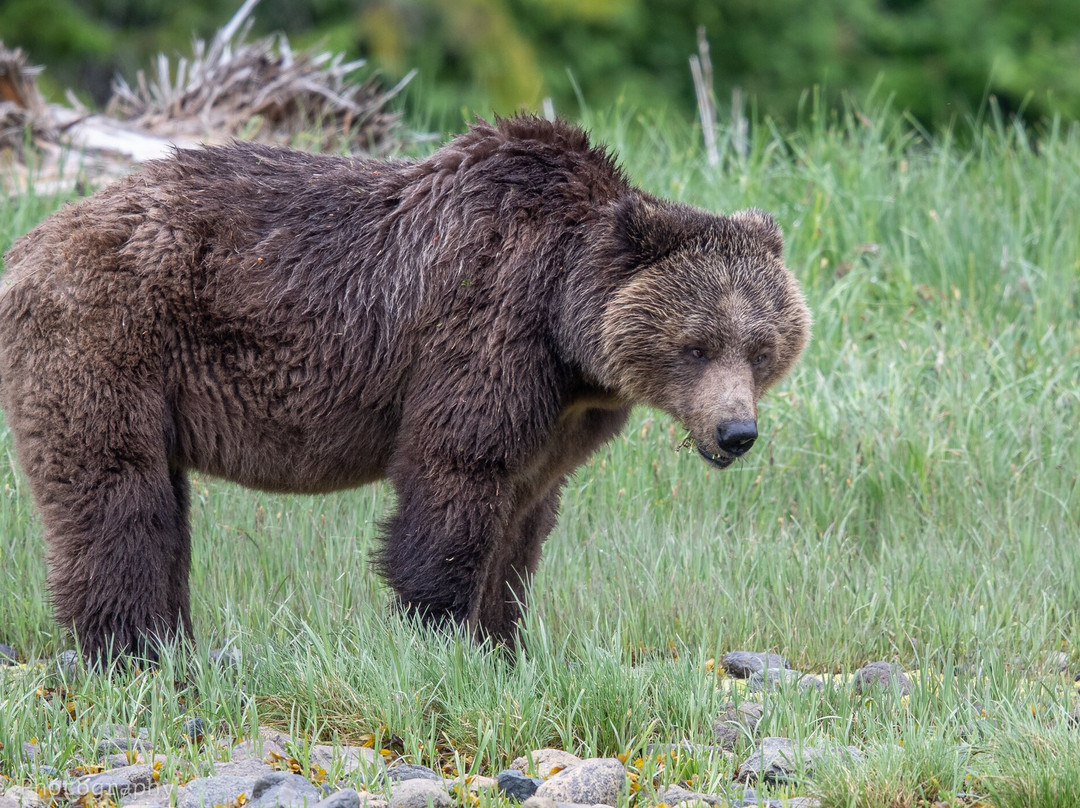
x: 471, y: 326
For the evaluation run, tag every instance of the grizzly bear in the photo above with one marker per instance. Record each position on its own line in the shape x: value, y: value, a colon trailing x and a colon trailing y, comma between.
x: 470, y: 326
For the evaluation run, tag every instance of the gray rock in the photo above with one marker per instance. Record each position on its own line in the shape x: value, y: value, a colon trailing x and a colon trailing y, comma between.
x: 247, y: 767
x: 516, y: 785
x: 113, y: 746
x: 351, y: 758
x: 68, y: 664
x: 673, y: 795
x: 369, y: 800
x: 140, y: 775
x: 737, y: 721
x: 419, y: 793
x: 210, y: 791
x: 193, y: 729
x: 772, y: 679
x: 736, y: 795
x: 741, y: 664
x: 224, y: 658
x: 8, y: 655
x: 541, y: 762
x: 778, y: 760
x: 410, y: 771
x: 159, y: 797
x: 539, y: 802
x: 596, y: 780
x: 23, y: 796
x: 346, y: 798
x: 7, y: 803
x: 881, y: 675
x: 285, y: 790
x: 804, y: 802
x: 266, y: 741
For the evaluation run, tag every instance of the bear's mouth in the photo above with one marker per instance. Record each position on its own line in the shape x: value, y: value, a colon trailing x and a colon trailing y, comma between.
x: 720, y: 461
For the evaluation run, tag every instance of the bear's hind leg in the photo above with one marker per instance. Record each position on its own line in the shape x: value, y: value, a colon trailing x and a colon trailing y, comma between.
x: 115, y: 549
x: 114, y: 514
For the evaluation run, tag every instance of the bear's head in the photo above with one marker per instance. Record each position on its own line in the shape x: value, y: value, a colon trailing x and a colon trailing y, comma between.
x: 705, y: 319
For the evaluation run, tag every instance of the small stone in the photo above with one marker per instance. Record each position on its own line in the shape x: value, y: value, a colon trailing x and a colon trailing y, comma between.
x: 351, y: 758
x: 419, y: 792
x: 141, y: 775
x: 158, y: 797
x: 516, y: 785
x: 193, y: 729
x: 1058, y: 662
x: 883, y: 675
x: 265, y: 741
x: 542, y: 762
x: 771, y: 679
x: 737, y: 721
x: 23, y: 796
x: 67, y: 664
x: 777, y: 760
x: 673, y: 795
x: 116, y: 782
x: 224, y: 658
x: 8, y: 655
x: 539, y: 802
x: 803, y: 802
x: 31, y: 751
x: 246, y: 767
x: 7, y: 803
x: 590, y: 782
x: 741, y: 664
x: 476, y: 782
x: 346, y: 798
x: 369, y: 800
x: 113, y: 746
x: 210, y: 791
x: 283, y: 789
x: 410, y: 771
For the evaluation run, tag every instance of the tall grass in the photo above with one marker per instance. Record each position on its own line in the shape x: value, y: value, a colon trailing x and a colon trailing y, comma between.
x: 913, y: 497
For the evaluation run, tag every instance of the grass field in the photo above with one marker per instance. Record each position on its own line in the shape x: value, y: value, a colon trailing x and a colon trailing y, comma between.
x: 914, y: 498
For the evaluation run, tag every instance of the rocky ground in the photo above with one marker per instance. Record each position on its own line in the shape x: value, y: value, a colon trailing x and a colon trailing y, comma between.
x: 265, y: 772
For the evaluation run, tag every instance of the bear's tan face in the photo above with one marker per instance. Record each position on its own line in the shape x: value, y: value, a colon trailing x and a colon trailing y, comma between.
x: 705, y: 331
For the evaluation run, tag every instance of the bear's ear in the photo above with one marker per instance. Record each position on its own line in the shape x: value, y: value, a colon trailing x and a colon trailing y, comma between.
x: 645, y: 230
x: 763, y: 228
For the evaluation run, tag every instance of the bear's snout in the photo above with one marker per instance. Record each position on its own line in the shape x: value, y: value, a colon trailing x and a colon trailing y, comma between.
x: 736, y: 437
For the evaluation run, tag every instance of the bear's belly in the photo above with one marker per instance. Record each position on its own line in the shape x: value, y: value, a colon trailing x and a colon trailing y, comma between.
x: 297, y: 453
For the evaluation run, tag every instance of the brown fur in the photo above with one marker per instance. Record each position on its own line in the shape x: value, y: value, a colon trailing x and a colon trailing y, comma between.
x: 471, y: 326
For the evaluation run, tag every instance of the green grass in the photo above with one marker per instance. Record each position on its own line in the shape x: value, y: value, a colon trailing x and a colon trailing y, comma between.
x: 914, y: 497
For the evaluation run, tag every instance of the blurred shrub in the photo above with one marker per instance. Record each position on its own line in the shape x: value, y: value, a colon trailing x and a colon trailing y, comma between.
x: 938, y: 58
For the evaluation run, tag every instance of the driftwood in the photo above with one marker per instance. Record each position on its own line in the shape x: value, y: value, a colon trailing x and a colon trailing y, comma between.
x: 260, y: 90
x: 232, y: 87
x: 23, y: 113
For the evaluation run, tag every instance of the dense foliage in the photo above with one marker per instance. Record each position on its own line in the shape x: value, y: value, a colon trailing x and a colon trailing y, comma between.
x: 939, y: 59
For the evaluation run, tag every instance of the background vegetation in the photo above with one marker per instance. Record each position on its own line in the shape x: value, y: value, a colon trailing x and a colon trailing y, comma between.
x: 940, y: 59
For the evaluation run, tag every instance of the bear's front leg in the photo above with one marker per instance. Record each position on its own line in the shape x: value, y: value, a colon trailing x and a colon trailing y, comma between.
x: 446, y: 536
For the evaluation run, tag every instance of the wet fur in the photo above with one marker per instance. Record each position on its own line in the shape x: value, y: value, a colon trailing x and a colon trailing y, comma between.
x: 296, y: 322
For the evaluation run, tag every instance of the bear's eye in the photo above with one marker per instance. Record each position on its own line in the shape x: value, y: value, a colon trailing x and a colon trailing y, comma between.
x: 759, y: 360
x: 698, y: 354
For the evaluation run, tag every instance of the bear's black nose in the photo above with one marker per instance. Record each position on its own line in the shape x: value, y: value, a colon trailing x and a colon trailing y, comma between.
x: 736, y: 437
